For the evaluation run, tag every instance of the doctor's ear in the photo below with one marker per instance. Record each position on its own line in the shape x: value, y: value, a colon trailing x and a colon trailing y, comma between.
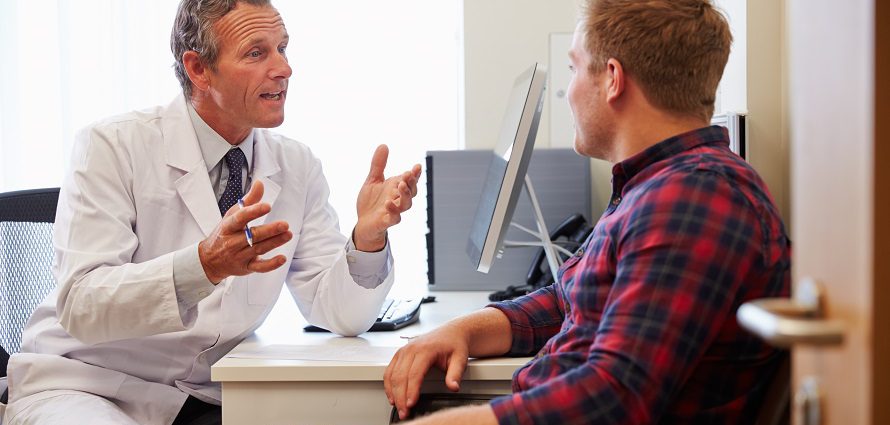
x: 197, y: 71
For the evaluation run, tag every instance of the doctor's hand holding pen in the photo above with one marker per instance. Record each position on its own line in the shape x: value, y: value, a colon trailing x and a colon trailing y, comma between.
x: 233, y: 249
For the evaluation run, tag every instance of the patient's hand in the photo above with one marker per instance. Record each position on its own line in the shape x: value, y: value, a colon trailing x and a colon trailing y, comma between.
x: 447, y: 348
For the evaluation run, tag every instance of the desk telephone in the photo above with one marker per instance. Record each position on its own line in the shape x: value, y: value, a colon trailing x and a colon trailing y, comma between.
x: 570, y: 234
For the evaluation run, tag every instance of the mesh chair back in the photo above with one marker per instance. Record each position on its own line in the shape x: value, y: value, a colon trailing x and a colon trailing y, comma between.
x: 26, y: 256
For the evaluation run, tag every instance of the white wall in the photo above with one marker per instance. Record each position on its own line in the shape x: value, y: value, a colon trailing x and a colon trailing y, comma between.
x: 767, y: 76
x: 502, y: 38
x: 754, y: 82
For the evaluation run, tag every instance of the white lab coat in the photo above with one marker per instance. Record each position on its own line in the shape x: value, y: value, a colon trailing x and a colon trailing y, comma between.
x: 139, y: 191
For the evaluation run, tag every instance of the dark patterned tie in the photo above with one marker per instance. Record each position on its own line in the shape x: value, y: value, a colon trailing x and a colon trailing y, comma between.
x: 235, y: 160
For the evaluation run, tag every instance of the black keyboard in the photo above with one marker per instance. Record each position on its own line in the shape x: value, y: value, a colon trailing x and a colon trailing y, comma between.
x: 394, y: 314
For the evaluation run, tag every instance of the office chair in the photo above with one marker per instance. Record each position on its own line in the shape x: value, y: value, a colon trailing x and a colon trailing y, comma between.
x: 26, y: 257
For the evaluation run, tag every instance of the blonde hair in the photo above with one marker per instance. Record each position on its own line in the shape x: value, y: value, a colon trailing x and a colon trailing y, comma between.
x: 675, y: 49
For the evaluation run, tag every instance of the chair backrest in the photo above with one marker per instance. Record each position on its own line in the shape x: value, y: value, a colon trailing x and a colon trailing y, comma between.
x: 26, y: 256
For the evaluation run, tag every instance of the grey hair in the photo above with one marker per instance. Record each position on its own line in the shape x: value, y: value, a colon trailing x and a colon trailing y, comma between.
x: 193, y: 30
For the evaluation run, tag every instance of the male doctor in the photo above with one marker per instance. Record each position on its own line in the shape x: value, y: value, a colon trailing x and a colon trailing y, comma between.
x: 160, y: 272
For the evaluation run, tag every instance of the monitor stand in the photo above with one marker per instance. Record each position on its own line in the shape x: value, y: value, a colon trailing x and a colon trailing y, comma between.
x: 543, y: 236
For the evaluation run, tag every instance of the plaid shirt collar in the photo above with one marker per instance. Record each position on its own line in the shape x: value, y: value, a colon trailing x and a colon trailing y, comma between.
x: 625, y: 170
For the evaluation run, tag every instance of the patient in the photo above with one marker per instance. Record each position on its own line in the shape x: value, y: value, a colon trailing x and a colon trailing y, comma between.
x: 640, y: 328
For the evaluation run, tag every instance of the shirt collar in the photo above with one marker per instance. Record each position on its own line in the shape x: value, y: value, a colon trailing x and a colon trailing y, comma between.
x: 625, y: 170
x: 213, y: 146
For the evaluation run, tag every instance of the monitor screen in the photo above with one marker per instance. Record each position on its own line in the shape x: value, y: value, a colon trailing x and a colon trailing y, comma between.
x: 506, y: 173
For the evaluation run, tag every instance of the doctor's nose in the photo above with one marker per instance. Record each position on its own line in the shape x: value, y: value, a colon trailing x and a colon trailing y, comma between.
x: 281, y: 68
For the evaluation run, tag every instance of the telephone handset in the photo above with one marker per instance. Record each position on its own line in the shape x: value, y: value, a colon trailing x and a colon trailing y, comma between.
x: 570, y: 234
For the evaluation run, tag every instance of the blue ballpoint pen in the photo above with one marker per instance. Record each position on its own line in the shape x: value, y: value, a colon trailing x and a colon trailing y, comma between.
x: 247, y: 231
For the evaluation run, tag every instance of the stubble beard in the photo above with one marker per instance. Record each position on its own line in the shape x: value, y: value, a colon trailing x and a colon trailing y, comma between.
x: 597, y: 141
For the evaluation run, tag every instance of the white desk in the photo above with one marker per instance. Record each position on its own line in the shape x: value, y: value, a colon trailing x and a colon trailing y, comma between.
x: 288, y: 391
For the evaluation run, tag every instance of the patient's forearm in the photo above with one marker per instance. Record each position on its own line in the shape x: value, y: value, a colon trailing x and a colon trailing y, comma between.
x: 487, y: 330
x: 479, y: 415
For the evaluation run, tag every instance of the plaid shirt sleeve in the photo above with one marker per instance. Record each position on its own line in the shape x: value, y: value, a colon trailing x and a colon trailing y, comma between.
x: 534, y: 319
x: 681, y: 257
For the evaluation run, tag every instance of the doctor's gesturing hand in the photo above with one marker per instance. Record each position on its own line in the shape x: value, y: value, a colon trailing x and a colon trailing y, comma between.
x: 226, y: 252
x: 381, y: 201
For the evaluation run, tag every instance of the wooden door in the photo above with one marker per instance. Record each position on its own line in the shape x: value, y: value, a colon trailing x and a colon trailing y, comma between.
x: 840, y: 162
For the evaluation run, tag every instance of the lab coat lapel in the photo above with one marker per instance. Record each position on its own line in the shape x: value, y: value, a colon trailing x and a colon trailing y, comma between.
x: 183, y: 153
x: 265, y: 166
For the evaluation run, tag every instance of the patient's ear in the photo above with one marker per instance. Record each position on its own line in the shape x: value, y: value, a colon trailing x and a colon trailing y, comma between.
x: 197, y: 72
x: 615, y: 80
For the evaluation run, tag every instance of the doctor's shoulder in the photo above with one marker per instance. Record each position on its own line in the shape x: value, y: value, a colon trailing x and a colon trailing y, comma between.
x: 288, y: 152
x: 136, y: 129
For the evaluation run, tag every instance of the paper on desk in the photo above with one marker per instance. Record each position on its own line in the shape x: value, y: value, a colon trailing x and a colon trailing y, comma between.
x: 323, y: 353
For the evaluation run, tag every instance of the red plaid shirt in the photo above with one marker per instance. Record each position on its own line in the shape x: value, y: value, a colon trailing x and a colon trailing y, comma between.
x: 641, y: 327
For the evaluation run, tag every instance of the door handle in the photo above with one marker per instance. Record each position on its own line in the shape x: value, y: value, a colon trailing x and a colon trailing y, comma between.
x: 783, y: 322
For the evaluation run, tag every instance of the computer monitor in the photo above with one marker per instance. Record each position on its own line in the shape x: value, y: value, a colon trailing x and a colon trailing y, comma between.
x: 506, y: 173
